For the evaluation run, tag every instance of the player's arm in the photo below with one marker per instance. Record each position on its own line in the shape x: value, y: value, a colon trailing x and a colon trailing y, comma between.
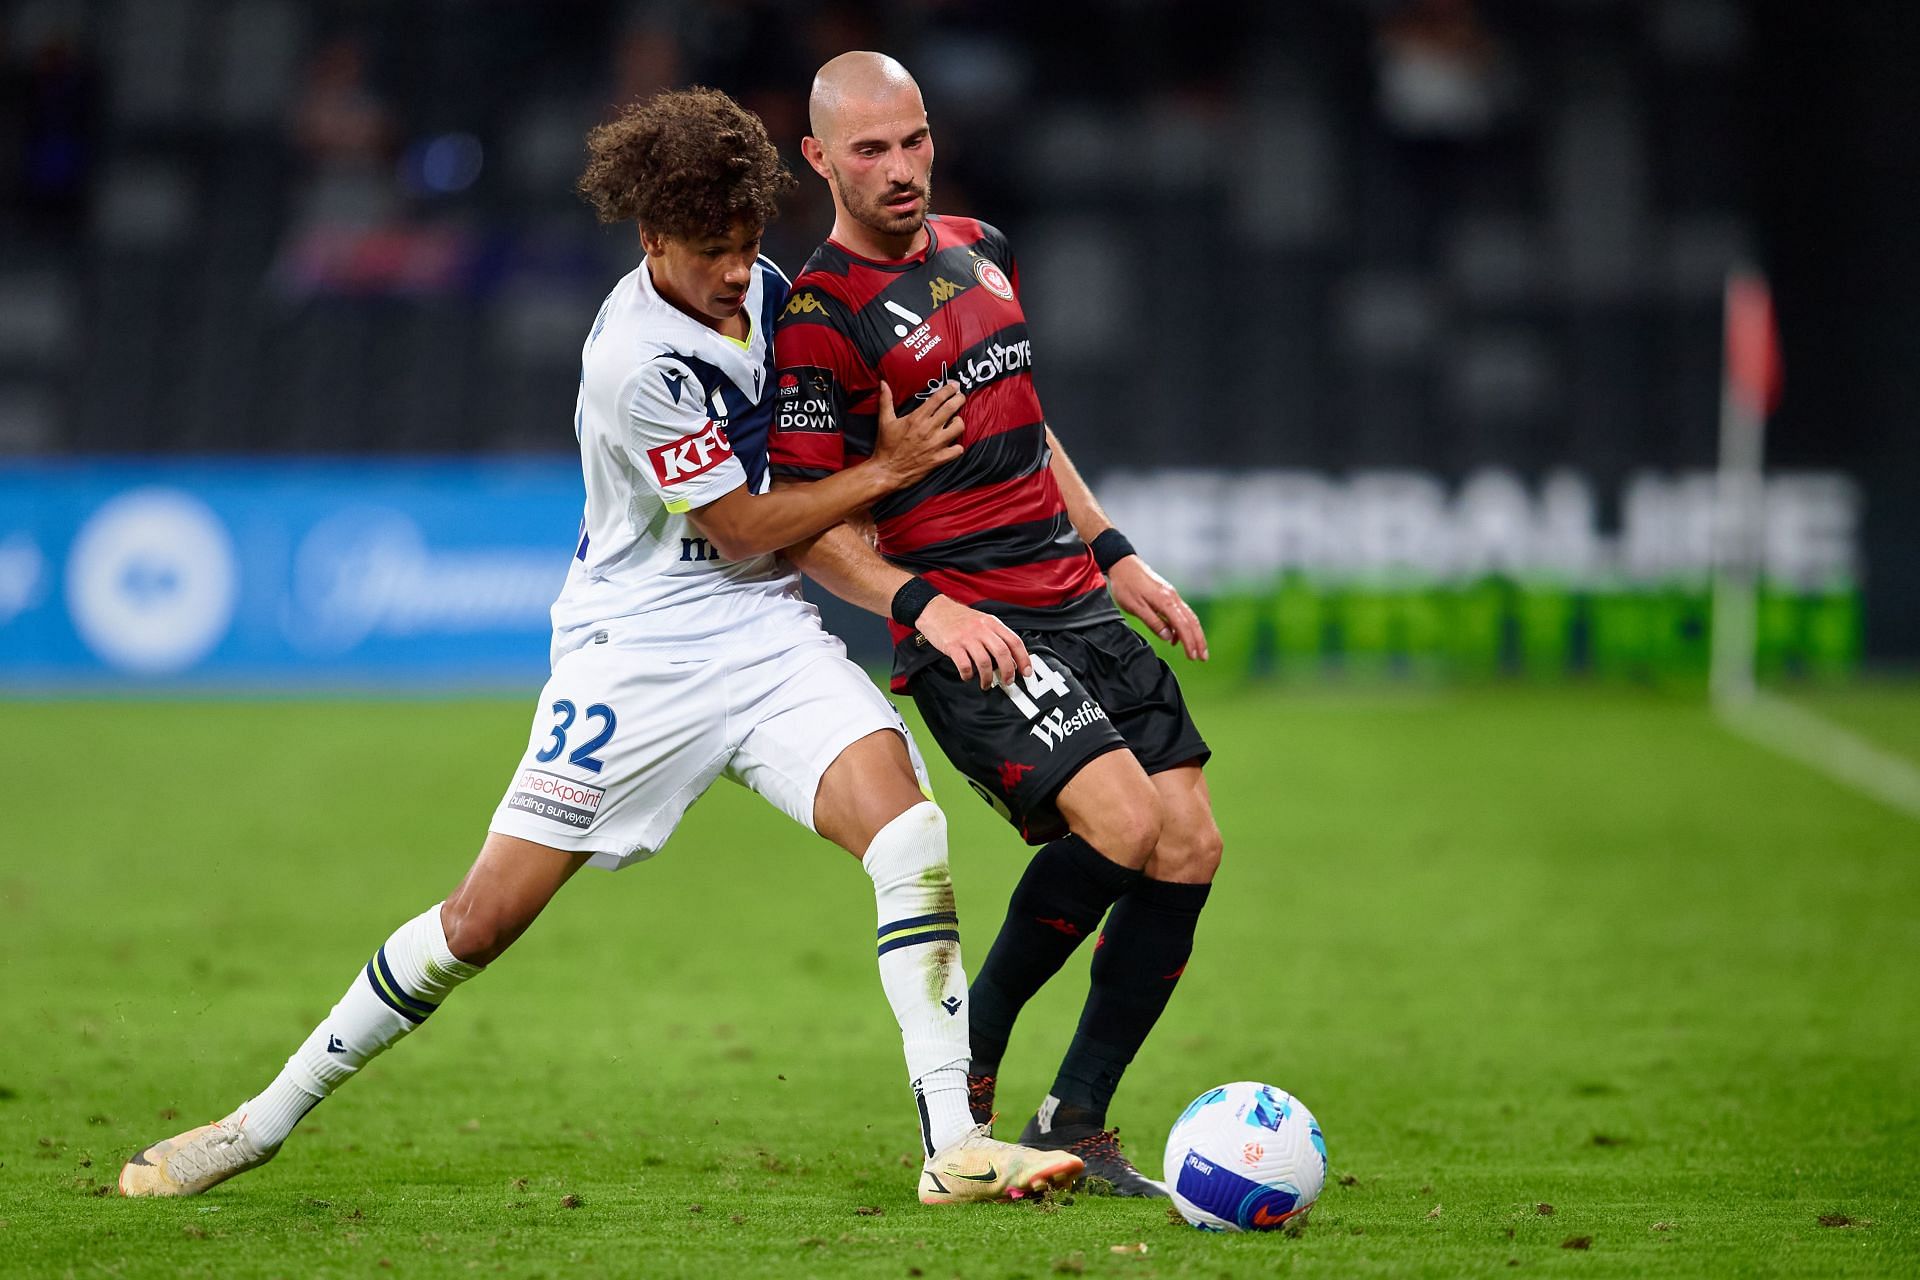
x: 741, y: 524
x: 845, y: 563
x: 1136, y: 587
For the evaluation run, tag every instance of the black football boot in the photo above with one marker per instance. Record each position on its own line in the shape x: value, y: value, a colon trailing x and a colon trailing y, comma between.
x: 1109, y: 1172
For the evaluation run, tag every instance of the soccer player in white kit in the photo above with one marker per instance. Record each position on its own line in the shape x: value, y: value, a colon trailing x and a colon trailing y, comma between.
x: 682, y: 653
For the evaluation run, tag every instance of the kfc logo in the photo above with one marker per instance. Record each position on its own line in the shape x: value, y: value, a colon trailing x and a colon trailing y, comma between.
x: 690, y: 456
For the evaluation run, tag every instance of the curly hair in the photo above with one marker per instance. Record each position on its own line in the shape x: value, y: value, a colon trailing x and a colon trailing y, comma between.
x: 691, y: 162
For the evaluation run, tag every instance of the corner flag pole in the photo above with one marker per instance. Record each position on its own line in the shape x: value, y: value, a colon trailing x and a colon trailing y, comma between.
x: 1749, y: 389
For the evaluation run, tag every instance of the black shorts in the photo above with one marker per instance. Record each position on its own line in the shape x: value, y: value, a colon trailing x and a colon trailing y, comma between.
x: 1093, y: 690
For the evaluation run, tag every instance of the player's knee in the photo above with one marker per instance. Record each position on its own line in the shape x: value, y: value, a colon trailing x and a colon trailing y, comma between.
x: 1128, y: 832
x: 474, y: 934
x: 1189, y: 853
x: 911, y: 849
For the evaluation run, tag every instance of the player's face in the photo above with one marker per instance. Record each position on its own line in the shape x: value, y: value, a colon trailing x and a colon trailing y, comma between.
x: 705, y: 276
x: 881, y: 164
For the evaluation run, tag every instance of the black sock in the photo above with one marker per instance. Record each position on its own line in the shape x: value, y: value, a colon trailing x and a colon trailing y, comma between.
x: 1059, y: 901
x: 1136, y: 965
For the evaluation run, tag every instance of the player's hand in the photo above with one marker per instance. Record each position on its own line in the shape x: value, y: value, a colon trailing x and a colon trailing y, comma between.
x: 1151, y: 598
x: 980, y: 645
x: 907, y: 448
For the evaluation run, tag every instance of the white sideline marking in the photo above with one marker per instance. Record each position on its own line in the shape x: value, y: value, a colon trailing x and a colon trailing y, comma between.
x: 1825, y: 747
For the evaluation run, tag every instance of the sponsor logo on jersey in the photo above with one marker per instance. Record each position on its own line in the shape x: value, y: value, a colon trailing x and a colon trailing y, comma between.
x: 692, y: 455
x: 804, y: 400
x: 557, y: 799
x: 943, y: 289
x: 914, y: 332
x: 1057, y: 726
x: 801, y: 304
x: 989, y: 274
x: 996, y: 360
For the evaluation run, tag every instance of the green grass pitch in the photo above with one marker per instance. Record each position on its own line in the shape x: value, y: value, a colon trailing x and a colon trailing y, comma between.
x: 1576, y: 983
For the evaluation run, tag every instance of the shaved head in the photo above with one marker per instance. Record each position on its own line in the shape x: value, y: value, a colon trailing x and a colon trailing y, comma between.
x: 872, y: 144
x: 854, y: 80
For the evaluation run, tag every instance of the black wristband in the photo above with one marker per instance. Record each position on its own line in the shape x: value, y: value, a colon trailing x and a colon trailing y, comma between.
x: 911, y: 600
x: 1110, y: 548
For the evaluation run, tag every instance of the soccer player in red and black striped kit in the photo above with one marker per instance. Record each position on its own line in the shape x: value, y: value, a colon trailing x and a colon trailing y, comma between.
x: 1001, y: 574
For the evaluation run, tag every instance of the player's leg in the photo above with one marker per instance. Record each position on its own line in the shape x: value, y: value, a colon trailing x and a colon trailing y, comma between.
x: 1142, y: 953
x: 590, y: 784
x: 1023, y: 748
x: 1148, y: 936
x: 832, y: 753
x: 1113, y: 821
x: 401, y: 986
x: 869, y: 803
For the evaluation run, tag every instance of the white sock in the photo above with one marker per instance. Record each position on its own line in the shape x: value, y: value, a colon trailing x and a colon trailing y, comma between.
x: 401, y: 986
x: 920, y: 966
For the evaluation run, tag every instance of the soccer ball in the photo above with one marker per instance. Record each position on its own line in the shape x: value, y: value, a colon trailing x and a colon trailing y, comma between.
x: 1245, y: 1157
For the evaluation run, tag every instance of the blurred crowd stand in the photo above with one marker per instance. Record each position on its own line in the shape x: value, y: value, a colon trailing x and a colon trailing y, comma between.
x: 1444, y: 233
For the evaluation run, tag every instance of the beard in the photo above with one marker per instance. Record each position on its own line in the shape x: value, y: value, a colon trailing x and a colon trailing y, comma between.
x: 873, y: 213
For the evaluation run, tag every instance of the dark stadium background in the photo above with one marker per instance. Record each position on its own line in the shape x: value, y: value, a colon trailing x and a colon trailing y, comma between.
x: 1329, y: 235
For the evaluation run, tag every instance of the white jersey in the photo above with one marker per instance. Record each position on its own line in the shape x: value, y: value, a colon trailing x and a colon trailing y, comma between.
x: 671, y: 416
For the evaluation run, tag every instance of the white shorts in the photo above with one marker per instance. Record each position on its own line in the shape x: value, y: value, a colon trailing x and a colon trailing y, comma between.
x: 627, y: 736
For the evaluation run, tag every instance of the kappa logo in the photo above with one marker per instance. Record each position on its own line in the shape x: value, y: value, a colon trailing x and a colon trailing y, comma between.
x: 803, y: 304
x: 691, y: 455
x: 1010, y: 774
x: 943, y: 289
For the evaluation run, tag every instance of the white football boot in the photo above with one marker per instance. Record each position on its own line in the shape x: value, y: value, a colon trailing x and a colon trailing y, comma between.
x: 189, y: 1163
x: 980, y: 1167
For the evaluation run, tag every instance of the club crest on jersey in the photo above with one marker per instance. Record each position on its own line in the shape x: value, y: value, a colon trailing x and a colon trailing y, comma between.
x: 989, y: 274
x: 803, y: 400
x: 691, y: 455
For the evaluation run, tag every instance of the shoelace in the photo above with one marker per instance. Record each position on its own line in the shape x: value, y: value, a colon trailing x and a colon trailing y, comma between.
x: 1104, y: 1145
x: 218, y: 1150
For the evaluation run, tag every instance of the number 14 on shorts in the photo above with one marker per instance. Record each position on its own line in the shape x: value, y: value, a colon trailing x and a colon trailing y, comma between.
x: 1044, y: 682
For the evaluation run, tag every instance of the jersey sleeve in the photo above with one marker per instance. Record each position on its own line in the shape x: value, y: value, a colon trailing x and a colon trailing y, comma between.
x: 994, y: 243
x: 683, y: 454
x: 824, y: 394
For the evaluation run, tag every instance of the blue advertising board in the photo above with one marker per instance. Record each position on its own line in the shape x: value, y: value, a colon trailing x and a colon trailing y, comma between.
x: 270, y: 575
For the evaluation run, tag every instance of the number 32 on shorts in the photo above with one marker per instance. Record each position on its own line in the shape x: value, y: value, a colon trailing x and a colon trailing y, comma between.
x: 582, y: 755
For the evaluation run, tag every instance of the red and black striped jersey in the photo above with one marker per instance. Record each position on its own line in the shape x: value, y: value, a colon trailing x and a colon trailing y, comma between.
x: 990, y: 528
